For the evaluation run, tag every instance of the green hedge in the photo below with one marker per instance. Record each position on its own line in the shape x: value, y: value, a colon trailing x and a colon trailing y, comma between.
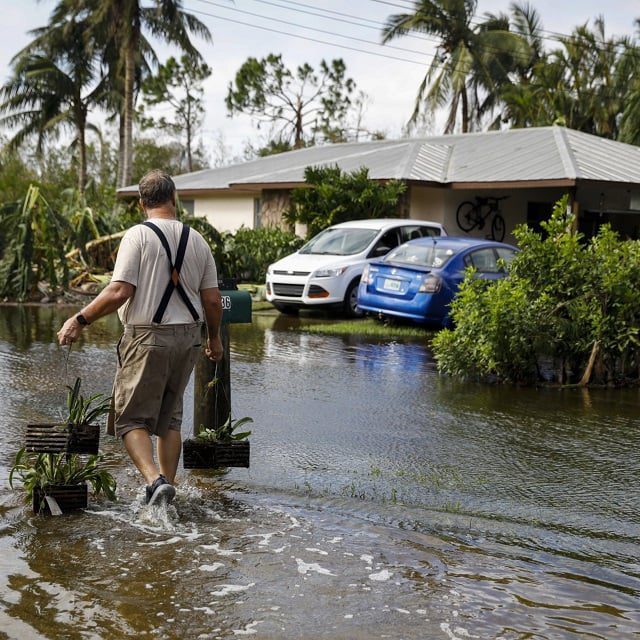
x: 569, y: 312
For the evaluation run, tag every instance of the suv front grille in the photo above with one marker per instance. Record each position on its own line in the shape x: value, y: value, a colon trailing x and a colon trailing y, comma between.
x: 280, y: 272
x: 289, y: 290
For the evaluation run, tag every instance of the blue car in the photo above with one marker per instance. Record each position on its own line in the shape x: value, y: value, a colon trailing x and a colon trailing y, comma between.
x: 419, y: 279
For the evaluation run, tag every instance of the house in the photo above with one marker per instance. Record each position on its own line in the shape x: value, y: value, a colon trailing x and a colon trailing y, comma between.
x: 530, y: 168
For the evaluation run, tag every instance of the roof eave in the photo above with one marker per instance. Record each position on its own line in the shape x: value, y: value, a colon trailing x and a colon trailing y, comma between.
x: 513, y: 184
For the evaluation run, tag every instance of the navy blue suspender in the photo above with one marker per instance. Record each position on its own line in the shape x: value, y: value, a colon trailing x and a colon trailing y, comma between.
x: 174, y: 269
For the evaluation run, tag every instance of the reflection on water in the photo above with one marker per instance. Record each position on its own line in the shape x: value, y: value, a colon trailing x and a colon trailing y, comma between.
x: 382, y: 501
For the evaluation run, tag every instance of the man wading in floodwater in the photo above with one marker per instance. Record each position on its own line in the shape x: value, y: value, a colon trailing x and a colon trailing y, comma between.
x: 163, y: 283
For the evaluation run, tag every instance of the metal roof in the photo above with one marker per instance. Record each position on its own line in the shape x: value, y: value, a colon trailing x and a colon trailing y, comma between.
x: 517, y: 155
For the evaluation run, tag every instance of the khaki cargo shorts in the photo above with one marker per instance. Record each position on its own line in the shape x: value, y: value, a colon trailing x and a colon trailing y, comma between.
x: 154, y: 365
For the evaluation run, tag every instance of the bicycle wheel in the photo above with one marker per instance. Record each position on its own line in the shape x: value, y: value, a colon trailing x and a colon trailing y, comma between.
x: 497, y: 228
x: 467, y: 216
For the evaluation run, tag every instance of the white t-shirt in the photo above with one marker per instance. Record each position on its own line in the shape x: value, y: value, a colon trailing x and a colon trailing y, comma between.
x: 142, y: 261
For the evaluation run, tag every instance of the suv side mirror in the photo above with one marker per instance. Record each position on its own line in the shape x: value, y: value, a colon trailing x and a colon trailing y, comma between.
x: 380, y: 251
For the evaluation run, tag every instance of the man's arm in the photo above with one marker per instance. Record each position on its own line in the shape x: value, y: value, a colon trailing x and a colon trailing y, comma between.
x: 112, y: 297
x: 212, y: 305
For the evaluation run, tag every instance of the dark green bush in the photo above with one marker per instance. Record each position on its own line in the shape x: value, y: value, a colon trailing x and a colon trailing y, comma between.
x: 568, y: 312
x: 249, y: 252
x: 333, y: 196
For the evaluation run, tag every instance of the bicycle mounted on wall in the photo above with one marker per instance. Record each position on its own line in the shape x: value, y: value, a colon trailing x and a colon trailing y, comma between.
x: 472, y: 215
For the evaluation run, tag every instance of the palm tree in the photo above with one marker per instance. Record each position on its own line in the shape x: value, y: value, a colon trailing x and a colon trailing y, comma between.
x: 119, y: 27
x: 53, y: 86
x: 467, y: 58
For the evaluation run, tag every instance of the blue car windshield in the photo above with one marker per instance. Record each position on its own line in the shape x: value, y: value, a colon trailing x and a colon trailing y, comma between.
x: 340, y: 242
x: 420, y: 255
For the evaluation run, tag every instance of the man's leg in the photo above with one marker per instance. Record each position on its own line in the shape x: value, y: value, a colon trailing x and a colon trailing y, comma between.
x: 140, y: 448
x: 169, y: 448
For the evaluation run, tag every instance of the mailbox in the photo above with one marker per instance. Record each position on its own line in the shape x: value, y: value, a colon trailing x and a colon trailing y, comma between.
x: 236, y: 306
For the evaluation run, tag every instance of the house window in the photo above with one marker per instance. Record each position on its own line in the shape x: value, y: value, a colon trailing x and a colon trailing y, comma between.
x: 257, y: 208
x: 187, y: 206
x: 538, y: 212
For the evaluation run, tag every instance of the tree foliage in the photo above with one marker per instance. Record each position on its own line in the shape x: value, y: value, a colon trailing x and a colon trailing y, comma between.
x: 332, y: 196
x: 469, y: 57
x: 178, y: 84
x: 35, y: 247
x: 54, y: 85
x: 497, y: 72
x: 248, y: 252
x: 302, y: 105
x: 569, y: 311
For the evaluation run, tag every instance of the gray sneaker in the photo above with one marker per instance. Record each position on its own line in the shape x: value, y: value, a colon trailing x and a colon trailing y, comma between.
x: 161, y: 491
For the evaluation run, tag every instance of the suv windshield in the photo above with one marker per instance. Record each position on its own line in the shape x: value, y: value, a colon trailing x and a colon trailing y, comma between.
x: 340, y: 242
x: 421, y: 255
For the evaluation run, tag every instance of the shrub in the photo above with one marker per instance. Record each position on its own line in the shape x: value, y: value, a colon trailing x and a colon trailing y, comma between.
x: 249, y: 252
x: 568, y: 312
x: 333, y: 196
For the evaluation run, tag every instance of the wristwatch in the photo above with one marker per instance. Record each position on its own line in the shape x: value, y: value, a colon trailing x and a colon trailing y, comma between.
x: 82, y: 320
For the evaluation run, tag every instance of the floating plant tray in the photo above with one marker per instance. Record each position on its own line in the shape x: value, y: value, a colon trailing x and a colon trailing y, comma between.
x: 68, y: 496
x: 200, y: 454
x: 57, y: 438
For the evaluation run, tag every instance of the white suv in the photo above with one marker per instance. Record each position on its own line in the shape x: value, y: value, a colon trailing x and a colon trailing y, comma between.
x: 327, y: 270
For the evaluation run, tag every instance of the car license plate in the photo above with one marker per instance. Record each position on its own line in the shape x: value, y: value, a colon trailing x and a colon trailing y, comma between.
x: 391, y: 285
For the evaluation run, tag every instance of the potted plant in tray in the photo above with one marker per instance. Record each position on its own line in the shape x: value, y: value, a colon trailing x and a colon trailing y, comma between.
x: 57, y: 482
x: 79, y: 433
x: 223, y: 446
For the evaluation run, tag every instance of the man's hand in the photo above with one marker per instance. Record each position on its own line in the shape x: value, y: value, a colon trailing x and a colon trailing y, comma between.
x: 214, y: 350
x: 70, y: 331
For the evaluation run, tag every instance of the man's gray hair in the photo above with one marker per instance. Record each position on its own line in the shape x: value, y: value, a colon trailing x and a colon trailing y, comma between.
x: 156, y: 188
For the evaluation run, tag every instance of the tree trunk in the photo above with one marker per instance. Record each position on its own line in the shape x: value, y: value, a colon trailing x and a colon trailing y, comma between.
x: 188, y: 123
x: 592, y: 361
x: 298, y: 141
x: 129, y: 99
x: 120, y: 180
x: 82, y: 153
x: 465, y: 111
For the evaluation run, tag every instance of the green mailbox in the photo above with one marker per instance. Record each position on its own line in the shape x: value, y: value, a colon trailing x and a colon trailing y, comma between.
x: 236, y: 306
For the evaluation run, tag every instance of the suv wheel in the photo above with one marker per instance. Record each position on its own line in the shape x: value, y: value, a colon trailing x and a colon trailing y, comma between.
x: 350, y: 304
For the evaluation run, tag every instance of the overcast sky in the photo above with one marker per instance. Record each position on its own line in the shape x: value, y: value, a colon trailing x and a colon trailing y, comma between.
x: 390, y: 82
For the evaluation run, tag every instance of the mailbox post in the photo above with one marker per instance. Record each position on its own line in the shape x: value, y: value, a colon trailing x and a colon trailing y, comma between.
x: 212, y: 402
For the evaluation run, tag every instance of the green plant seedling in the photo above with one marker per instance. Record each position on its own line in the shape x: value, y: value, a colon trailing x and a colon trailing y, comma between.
x: 226, y: 432
x: 61, y: 469
x: 83, y: 411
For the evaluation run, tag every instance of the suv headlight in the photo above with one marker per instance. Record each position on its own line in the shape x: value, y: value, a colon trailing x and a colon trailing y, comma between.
x: 329, y: 273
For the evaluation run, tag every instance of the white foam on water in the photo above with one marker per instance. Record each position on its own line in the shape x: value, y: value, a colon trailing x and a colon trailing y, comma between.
x: 381, y: 576
x: 211, y: 567
x: 294, y: 522
x: 280, y: 549
x: 266, y: 537
x: 367, y: 558
x: 402, y: 611
x: 334, y: 540
x: 161, y: 543
x: 248, y: 630
x: 314, y: 550
x: 457, y: 633
x: 221, y: 552
x: 206, y: 610
x: 348, y: 616
x: 98, y: 544
x: 304, y: 567
x: 226, y: 589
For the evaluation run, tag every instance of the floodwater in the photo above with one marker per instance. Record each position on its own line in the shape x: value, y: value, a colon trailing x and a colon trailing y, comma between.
x: 383, y: 501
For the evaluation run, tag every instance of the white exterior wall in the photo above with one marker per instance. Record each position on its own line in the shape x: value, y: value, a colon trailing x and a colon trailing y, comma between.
x: 441, y: 204
x: 226, y: 212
